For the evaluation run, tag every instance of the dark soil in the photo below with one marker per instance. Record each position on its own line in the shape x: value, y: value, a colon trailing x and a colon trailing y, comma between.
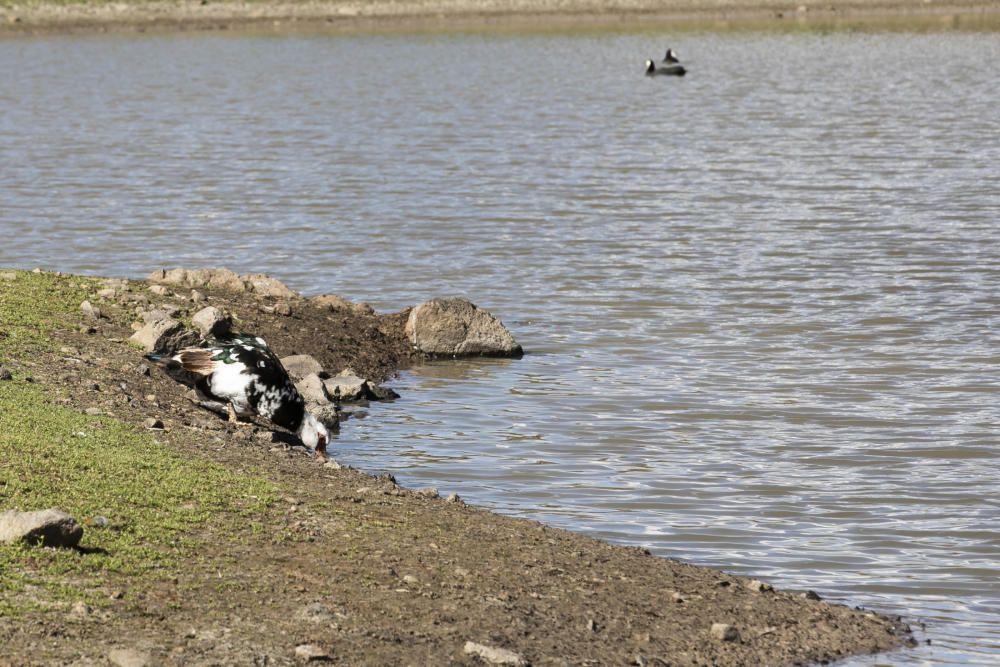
x: 374, y: 574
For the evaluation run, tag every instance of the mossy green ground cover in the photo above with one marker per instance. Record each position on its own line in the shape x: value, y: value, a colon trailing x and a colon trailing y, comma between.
x: 158, y: 504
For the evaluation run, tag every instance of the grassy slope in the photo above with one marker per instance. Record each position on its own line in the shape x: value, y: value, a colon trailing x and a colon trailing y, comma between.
x: 155, y: 501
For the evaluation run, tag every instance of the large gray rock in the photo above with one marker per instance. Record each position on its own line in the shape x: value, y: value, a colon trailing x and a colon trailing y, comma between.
x: 212, y: 322
x: 51, y: 528
x: 164, y: 336
x: 301, y: 365
x: 457, y: 328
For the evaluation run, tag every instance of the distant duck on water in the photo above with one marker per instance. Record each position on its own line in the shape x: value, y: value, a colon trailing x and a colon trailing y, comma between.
x: 669, y: 70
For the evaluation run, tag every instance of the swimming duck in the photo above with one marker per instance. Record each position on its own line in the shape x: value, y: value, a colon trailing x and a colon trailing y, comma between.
x: 243, y: 373
x: 669, y: 70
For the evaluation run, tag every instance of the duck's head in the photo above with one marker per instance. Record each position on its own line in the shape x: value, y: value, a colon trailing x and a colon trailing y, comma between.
x: 650, y: 67
x: 671, y: 57
x: 313, y: 434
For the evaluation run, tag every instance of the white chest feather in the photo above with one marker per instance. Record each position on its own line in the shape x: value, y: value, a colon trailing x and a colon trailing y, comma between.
x: 230, y: 382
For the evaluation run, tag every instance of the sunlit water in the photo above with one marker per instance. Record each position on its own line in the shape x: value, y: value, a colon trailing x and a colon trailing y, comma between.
x: 761, y: 304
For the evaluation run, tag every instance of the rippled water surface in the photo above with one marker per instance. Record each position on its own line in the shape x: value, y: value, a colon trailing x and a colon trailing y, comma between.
x: 761, y: 303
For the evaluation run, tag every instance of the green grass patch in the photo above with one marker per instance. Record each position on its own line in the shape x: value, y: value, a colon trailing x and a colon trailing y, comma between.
x: 159, y: 505
x: 33, y: 304
x: 156, y: 502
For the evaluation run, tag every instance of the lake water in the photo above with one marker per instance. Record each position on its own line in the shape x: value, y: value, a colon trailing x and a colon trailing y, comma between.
x: 761, y: 304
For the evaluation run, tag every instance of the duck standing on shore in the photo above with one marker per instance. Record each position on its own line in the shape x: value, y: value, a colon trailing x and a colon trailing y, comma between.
x: 241, y: 372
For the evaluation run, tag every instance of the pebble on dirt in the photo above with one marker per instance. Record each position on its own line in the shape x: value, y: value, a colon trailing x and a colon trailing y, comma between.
x: 312, y: 653
x: 5, y: 374
x: 724, y: 632
x: 90, y: 311
x: 130, y: 657
x: 495, y: 656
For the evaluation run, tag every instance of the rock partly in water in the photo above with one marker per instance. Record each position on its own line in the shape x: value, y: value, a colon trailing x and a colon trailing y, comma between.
x: 164, y: 336
x: 495, y: 656
x: 50, y: 528
x: 457, y: 328
x: 349, y: 387
x: 301, y: 365
x: 211, y: 321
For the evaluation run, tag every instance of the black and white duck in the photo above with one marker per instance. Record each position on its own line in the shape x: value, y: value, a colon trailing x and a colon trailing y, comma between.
x: 242, y: 373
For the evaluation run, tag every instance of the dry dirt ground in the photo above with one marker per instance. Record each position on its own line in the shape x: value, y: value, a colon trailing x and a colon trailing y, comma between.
x: 369, y: 573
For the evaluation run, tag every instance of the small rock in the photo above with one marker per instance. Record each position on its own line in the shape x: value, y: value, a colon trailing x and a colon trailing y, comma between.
x: 80, y: 609
x: 160, y: 290
x: 332, y: 465
x: 212, y: 322
x: 334, y: 302
x: 453, y: 498
x: 677, y: 597
x: 153, y: 424
x: 90, y: 311
x: 759, y: 586
x: 8, y: 275
x: 51, y: 528
x: 301, y: 365
x: 265, y: 285
x: 311, y: 653
x: 130, y: 657
x: 93, y: 412
x: 724, y: 632
x: 98, y: 521
x: 495, y: 656
x: 282, y: 308
x: 107, y: 293
x: 316, y: 613
x: 164, y: 337
x: 811, y: 595
x: 196, y: 296
x: 5, y: 374
x: 411, y: 580
x: 348, y: 386
x: 428, y: 492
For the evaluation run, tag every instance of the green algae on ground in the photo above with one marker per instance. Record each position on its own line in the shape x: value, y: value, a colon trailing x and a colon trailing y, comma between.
x: 144, y: 506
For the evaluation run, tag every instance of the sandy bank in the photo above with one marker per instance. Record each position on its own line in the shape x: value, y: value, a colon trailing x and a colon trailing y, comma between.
x: 349, y: 15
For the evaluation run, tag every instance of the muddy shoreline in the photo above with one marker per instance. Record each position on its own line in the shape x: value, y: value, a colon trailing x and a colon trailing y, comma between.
x: 405, y: 15
x: 339, y: 562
